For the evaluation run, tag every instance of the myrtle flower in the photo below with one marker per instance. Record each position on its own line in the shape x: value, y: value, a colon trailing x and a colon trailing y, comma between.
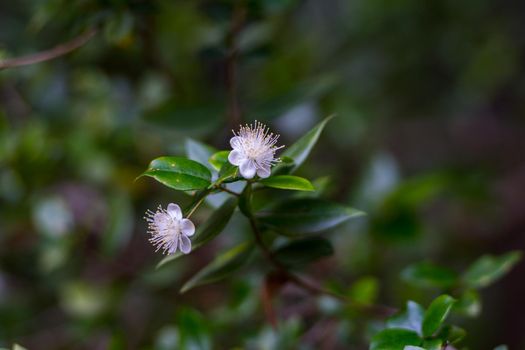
x: 169, y: 230
x: 254, y: 150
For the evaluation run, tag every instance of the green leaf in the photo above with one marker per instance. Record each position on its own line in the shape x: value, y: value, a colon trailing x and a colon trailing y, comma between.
x: 411, y: 318
x: 489, y: 268
x: 228, y: 173
x: 426, y: 274
x: 179, y: 173
x: 288, y: 182
x: 221, y: 267
x: 199, y: 152
x: 365, y: 290
x: 218, y: 159
x: 300, y: 150
x: 295, y: 217
x: 469, y: 304
x: 451, y: 334
x: 209, y: 229
x: 394, y: 339
x: 433, y: 344
x: 436, y: 314
x: 302, y: 252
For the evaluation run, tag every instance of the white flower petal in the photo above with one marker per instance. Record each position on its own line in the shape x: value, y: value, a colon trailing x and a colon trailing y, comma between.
x: 236, y: 142
x: 264, y: 172
x: 247, y: 169
x: 173, y: 248
x: 185, y: 244
x: 187, y: 227
x: 236, y: 157
x: 174, y: 211
x: 162, y: 221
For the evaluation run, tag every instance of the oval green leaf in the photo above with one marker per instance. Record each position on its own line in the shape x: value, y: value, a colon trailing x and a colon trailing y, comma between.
x: 179, y: 173
x: 288, y: 182
x: 295, y: 217
x: 394, y: 339
x: 301, y: 252
x: 489, y: 268
x: 300, y: 150
x: 221, y: 267
x: 436, y: 314
x: 209, y: 229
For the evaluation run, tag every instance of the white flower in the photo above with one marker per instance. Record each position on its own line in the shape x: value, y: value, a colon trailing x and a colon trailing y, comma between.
x: 169, y: 230
x: 254, y: 150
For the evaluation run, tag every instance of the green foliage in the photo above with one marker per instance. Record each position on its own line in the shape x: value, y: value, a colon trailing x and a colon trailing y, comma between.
x: 436, y: 314
x: 298, y: 217
x: 301, y: 252
x: 394, y: 339
x: 179, y: 173
x: 300, y: 150
x: 426, y: 274
x: 288, y: 182
x: 221, y: 267
x: 489, y: 268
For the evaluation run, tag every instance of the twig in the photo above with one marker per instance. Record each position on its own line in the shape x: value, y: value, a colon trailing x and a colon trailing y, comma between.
x: 380, y: 311
x: 50, y: 54
x: 234, y: 109
x: 228, y: 191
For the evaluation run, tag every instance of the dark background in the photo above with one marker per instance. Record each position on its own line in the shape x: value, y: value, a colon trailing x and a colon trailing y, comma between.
x: 429, y: 140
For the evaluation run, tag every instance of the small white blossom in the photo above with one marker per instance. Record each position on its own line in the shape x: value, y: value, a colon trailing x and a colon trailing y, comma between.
x: 254, y: 150
x: 169, y: 230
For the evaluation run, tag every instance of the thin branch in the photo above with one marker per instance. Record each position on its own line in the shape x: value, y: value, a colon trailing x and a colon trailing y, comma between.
x: 234, y: 109
x: 375, y: 310
x: 229, y: 191
x: 50, y: 54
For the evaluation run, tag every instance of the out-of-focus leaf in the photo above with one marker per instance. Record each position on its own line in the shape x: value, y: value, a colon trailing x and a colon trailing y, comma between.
x: 452, y: 334
x: 411, y: 318
x: 489, y: 268
x: 301, y: 252
x: 194, y: 330
x: 288, y: 182
x: 218, y: 159
x: 179, y: 173
x: 410, y: 347
x: 199, y: 152
x: 433, y: 344
x: 120, y: 223
x: 426, y: 274
x: 221, y: 267
x: 300, y: 150
x: 469, y: 304
x: 501, y: 347
x: 436, y: 314
x: 365, y: 290
x: 394, y: 339
x: 295, y: 217
x: 209, y: 229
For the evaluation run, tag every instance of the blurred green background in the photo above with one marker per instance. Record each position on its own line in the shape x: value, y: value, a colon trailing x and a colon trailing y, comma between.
x: 429, y: 140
